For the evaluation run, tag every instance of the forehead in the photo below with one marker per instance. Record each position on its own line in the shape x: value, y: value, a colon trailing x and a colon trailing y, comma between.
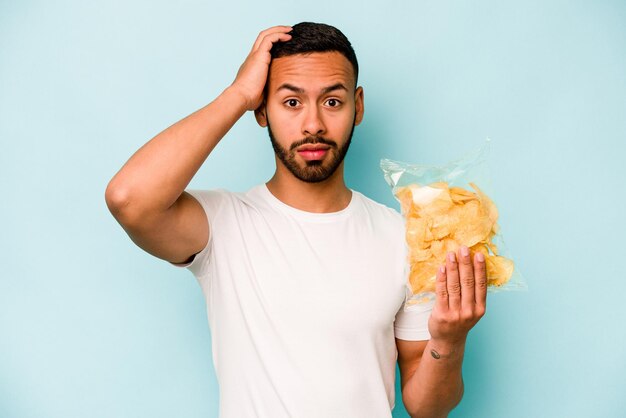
x: 311, y: 71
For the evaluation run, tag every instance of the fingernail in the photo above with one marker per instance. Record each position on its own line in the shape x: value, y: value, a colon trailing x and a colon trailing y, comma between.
x: 481, y: 257
x: 464, y: 251
x: 451, y: 257
x: 442, y: 269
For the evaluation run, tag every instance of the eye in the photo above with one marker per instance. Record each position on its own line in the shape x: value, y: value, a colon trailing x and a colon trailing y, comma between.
x: 291, y: 103
x: 333, y: 102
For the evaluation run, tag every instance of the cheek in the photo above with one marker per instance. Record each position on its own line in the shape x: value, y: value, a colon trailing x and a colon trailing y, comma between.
x: 343, y: 122
x: 279, y: 116
x: 284, y: 129
x: 276, y: 120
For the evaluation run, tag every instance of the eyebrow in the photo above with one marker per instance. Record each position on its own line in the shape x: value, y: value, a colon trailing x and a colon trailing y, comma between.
x: 299, y: 90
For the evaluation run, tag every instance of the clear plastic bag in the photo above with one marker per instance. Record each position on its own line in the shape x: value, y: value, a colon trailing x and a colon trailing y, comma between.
x: 445, y: 207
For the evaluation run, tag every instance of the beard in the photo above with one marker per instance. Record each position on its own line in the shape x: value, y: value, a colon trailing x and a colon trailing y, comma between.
x: 313, y: 171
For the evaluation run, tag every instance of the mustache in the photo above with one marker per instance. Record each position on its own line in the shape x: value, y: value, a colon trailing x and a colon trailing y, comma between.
x: 313, y: 140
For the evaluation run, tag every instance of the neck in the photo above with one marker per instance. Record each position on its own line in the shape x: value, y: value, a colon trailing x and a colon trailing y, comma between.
x: 330, y: 195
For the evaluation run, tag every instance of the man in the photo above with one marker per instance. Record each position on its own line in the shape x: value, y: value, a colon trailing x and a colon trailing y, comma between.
x: 304, y: 278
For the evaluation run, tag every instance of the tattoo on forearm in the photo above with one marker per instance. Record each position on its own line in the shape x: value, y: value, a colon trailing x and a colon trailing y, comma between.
x: 435, y: 354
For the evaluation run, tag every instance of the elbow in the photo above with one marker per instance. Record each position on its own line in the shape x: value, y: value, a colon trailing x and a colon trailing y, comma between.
x: 429, y: 414
x: 118, y: 200
x: 422, y: 414
x: 439, y: 409
x: 459, y: 396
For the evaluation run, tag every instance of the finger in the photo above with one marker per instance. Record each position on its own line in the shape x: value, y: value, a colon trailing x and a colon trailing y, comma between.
x: 454, y: 288
x: 466, y: 275
x: 480, y: 274
x: 269, y: 40
x: 441, y: 289
x: 269, y: 31
x: 272, y: 30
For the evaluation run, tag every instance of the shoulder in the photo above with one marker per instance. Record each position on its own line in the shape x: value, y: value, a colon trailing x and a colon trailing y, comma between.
x: 214, y: 200
x: 220, y: 194
x: 380, y: 211
x: 210, y: 196
x: 209, y: 193
x: 378, y: 207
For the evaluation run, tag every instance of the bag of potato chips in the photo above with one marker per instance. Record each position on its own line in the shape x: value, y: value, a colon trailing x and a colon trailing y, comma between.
x: 443, y: 208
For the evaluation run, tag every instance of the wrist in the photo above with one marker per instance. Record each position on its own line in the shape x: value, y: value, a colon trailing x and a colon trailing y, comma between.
x: 234, y: 95
x: 242, y: 94
x: 445, y: 348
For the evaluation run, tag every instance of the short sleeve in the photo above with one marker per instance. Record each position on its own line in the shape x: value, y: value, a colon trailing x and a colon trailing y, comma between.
x: 212, y: 201
x: 412, y: 324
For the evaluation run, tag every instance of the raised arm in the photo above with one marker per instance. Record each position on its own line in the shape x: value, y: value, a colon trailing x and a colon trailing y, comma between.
x: 147, y: 195
x: 432, y: 384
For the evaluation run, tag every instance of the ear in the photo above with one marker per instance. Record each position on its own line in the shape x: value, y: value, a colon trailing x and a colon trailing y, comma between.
x: 261, y: 115
x: 359, y: 105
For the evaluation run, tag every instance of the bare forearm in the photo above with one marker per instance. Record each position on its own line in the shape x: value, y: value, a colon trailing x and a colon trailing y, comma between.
x: 157, y: 174
x: 436, y: 387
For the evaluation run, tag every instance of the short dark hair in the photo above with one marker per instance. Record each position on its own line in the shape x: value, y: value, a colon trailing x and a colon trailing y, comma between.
x: 308, y: 37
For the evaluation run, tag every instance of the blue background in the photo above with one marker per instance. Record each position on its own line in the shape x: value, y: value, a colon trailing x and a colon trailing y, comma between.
x: 92, y: 326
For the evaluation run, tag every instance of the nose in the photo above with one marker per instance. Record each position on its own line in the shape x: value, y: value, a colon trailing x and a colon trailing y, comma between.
x: 313, y: 124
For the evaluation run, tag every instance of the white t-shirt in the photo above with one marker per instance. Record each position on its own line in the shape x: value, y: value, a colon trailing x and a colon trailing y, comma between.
x: 302, y: 305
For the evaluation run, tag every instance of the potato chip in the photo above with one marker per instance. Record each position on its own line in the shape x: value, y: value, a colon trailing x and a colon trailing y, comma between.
x: 440, y: 219
x: 423, y: 275
x: 499, y: 270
